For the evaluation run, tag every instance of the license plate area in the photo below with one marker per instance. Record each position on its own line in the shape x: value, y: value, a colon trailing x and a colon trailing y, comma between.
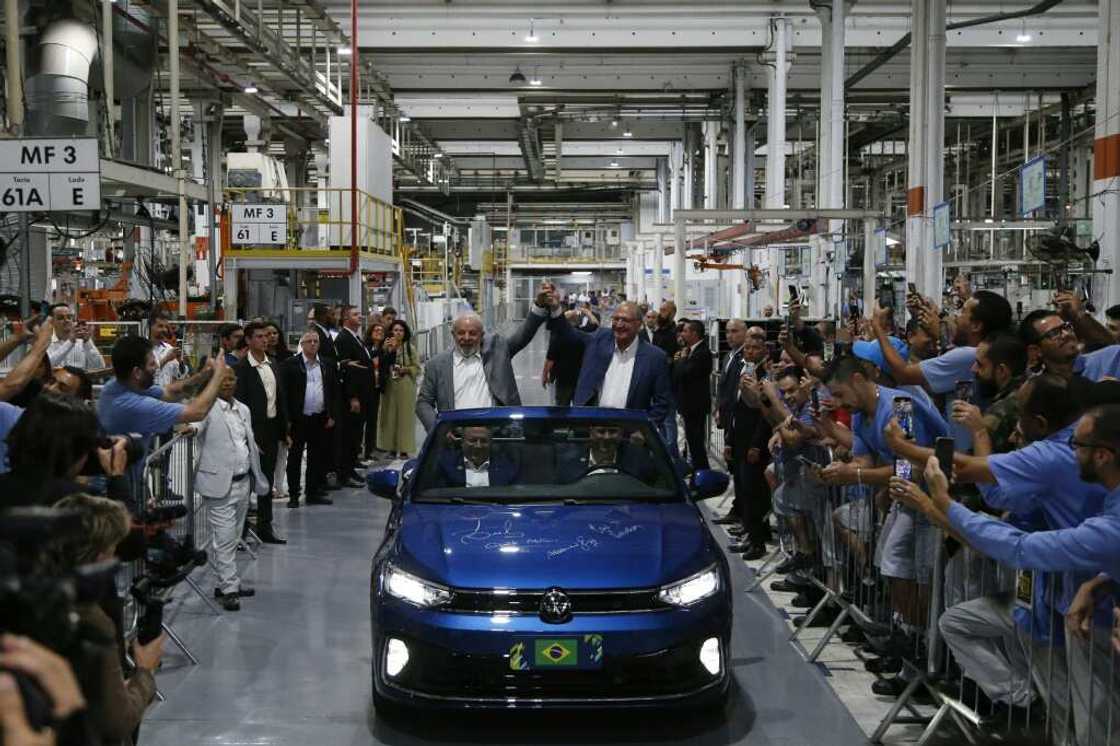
x: 556, y: 653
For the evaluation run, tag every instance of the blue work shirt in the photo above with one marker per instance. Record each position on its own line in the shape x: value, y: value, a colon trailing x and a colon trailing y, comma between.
x: 941, y: 374
x: 1043, y: 477
x: 1102, y: 363
x: 123, y: 411
x: 9, y: 416
x: 868, y: 434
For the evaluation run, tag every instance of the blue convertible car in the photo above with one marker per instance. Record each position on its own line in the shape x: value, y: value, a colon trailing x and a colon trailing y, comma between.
x: 547, y: 557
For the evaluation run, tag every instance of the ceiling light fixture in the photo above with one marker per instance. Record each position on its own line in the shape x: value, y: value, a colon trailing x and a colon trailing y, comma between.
x: 627, y: 133
x: 614, y: 164
x: 536, y: 80
x: 344, y: 51
x: 518, y: 78
x: 405, y: 118
x: 532, y: 38
x: 1024, y: 36
x: 614, y: 122
x: 437, y: 155
x: 251, y: 88
x: 618, y: 152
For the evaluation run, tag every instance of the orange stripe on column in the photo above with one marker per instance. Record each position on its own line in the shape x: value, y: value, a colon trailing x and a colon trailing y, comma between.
x: 915, y: 201
x: 1106, y: 157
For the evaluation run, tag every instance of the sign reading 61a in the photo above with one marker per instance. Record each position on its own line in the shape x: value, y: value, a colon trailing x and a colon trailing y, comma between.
x: 50, y: 175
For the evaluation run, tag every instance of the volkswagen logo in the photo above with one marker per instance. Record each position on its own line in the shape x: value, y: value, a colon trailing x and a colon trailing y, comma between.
x: 556, y: 607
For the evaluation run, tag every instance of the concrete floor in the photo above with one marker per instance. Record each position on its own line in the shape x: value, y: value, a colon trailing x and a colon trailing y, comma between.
x: 293, y: 666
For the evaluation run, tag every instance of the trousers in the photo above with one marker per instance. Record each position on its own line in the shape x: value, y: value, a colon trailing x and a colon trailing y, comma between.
x: 696, y: 436
x: 981, y: 633
x: 224, y: 517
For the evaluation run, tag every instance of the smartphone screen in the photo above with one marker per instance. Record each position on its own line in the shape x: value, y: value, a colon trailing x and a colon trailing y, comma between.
x: 912, y: 287
x: 793, y: 293
x: 964, y: 391
x: 904, y: 413
x: 903, y: 469
x: 943, y: 449
x: 815, y: 399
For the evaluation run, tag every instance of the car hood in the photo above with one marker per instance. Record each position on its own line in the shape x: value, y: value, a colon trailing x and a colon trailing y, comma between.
x: 630, y: 545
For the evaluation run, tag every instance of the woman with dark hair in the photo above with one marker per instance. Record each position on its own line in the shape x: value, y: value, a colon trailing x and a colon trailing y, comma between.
x: 49, y: 447
x: 277, y: 345
x: 396, y: 427
x: 374, y: 341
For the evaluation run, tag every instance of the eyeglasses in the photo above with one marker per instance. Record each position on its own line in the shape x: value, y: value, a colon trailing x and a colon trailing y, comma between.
x: 1074, y: 443
x: 1057, y: 331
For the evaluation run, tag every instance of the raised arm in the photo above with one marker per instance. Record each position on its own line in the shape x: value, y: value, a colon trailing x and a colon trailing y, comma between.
x: 22, y: 374
x: 198, y: 407
x: 426, y: 399
x: 906, y: 374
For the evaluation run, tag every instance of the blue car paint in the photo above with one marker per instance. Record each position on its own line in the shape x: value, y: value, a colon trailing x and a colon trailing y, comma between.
x: 615, y: 546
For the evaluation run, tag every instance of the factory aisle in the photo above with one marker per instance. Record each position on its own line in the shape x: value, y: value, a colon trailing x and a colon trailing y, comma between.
x: 293, y: 667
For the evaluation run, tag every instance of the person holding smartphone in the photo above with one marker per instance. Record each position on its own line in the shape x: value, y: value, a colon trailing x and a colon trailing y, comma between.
x: 73, y: 342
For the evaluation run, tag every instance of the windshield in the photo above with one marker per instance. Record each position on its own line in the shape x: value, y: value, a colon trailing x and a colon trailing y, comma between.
x: 545, y: 460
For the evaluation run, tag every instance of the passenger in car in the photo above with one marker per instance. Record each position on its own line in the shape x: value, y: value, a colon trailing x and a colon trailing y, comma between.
x: 474, y: 464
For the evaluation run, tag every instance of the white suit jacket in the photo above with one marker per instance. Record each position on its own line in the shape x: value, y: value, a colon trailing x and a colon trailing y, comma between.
x: 215, y: 469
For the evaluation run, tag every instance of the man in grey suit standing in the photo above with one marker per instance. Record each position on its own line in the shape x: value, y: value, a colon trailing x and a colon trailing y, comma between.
x: 229, y: 467
x: 478, y: 370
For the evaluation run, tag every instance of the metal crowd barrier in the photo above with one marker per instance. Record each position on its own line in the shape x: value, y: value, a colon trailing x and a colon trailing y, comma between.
x: 951, y: 630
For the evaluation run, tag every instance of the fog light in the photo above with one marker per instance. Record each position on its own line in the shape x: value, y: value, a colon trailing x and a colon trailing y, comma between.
x: 710, y: 656
x: 396, y: 657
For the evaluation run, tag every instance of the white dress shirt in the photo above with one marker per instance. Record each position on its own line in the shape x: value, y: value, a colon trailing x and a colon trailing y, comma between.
x: 616, y: 383
x: 731, y: 358
x: 268, y: 378
x: 468, y: 377
x: 75, y: 353
x: 169, y: 372
x: 313, y: 397
x: 476, y: 476
x: 240, y: 435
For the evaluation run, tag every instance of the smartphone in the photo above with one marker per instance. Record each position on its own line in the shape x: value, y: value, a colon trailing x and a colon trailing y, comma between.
x: 810, y: 463
x: 912, y: 288
x: 904, y: 413
x: 964, y: 391
x: 792, y: 293
x: 843, y: 349
x: 853, y: 311
x: 903, y: 469
x: 815, y: 402
x: 829, y: 351
x: 943, y: 449
x: 749, y: 369
x: 886, y: 296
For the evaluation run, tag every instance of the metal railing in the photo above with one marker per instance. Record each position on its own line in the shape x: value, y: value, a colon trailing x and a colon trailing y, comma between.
x: 320, y: 219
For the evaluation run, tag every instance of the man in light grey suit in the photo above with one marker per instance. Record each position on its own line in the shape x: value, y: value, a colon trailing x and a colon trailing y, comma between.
x: 228, y: 469
x: 478, y: 370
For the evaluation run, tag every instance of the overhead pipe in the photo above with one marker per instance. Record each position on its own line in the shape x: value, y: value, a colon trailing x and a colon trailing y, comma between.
x: 354, y: 137
x: 14, y: 65
x: 887, y: 54
x: 58, y: 92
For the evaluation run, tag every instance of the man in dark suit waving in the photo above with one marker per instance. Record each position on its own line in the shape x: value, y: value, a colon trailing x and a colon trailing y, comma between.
x: 619, y: 370
x: 692, y: 385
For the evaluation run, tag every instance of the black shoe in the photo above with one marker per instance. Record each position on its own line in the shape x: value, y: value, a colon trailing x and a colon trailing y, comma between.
x: 269, y: 537
x: 823, y: 619
x: 230, y: 603
x: 853, y: 635
x: 293, y: 502
x: 896, y: 685
x: 788, y: 586
x: 883, y: 665
x: 726, y: 520
x: 789, y: 565
x: 806, y: 599
x: 754, y: 552
x: 1004, y: 716
x: 242, y: 592
x: 737, y: 530
x: 320, y: 501
x: 739, y: 547
x: 354, y: 482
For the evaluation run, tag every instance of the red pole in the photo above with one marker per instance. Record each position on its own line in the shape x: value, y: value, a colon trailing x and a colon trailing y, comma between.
x: 353, y: 136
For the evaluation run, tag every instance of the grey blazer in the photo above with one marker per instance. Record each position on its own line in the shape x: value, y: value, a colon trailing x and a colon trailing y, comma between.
x: 437, y: 390
x: 214, y: 471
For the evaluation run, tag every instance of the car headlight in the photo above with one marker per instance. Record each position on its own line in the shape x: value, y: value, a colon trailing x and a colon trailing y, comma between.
x: 400, y: 584
x: 692, y: 589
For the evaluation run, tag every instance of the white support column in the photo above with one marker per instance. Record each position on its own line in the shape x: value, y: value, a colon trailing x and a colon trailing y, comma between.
x: 1106, y: 148
x: 824, y: 130
x: 229, y: 287
x: 932, y: 280
x: 711, y: 165
x: 776, y: 117
x: 680, y: 294
x: 658, y: 269
x: 869, y: 228
x: 739, y: 144
x: 646, y: 267
x: 916, y: 244
x: 837, y: 147
x: 676, y: 164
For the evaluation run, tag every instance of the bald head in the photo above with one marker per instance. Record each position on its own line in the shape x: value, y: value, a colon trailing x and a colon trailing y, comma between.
x: 625, y: 322
x: 736, y: 333
x: 467, y: 330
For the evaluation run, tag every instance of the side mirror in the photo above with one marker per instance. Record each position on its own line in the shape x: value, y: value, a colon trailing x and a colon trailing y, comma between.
x: 383, y: 483
x: 708, y: 483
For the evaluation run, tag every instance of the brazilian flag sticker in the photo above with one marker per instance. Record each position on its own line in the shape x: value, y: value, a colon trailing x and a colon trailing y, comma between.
x: 558, y: 653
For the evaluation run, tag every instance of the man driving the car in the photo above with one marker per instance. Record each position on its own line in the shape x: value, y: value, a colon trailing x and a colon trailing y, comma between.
x: 474, y: 464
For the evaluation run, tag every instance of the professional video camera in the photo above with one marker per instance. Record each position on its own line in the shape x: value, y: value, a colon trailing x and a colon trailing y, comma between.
x: 38, y: 601
x: 166, y: 562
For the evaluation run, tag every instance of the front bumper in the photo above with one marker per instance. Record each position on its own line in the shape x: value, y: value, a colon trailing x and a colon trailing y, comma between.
x: 462, y: 660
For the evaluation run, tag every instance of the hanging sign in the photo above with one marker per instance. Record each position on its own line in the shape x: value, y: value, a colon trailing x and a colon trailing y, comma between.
x: 941, y: 233
x: 50, y: 175
x: 1032, y: 186
x: 259, y: 225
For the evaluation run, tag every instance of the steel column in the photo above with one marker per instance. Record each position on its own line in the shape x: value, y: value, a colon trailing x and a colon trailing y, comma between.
x: 177, y: 149
x: 776, y: 118
x: 739, y: 144
x: 711, y: 165
x: 658, y: 269
x: 1106, y: 148
x: 934, y: 121
x: 14, y: 62
x: 680, y: 296
x: 916, y: 243
x: 107, y: 72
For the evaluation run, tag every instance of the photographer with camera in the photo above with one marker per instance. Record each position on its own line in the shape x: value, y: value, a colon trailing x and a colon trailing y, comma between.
x: 53, y: 444
x: 55, y: 678
x: 116, y: 703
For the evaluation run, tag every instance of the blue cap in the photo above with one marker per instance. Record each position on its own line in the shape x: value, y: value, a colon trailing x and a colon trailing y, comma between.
x: 871, y: 352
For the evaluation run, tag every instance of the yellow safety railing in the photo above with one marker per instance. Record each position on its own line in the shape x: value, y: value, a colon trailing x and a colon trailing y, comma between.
x: 320, y: 220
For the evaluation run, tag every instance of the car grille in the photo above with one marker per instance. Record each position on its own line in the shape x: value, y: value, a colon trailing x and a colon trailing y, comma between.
x: 529, y: 602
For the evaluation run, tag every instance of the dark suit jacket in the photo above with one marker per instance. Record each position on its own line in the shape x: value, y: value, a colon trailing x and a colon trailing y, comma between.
x: 745, y: 427
x: 453, y: 472
x: 294, y: 372
x: 356, y: 382
x: 665, y: 337
x: 692, y: 382
x: 728, y: 388
x: 650, y: 389
x: 250, y: 391
x: 326, y: 344
x: 566, y: 356
x: 574, y: 461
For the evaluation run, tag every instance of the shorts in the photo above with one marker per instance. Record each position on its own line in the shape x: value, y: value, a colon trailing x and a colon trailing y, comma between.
x: 908, y: 545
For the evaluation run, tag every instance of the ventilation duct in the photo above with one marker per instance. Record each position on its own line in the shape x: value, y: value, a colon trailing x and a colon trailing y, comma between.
x: 58, y: 93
